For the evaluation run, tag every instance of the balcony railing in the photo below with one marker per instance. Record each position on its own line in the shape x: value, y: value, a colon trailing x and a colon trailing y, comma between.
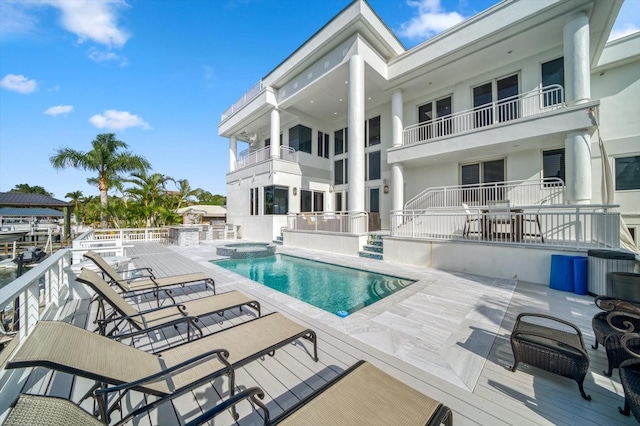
x: 575, y: 226
x: 249, y: 158
x: 547, y: 191
x: 336, y: 222
x: 246, y: 98
x: 538, y: 101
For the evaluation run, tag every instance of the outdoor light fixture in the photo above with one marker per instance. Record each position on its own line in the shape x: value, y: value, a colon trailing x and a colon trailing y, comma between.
x: 295, y: 191
x: 385, y: 188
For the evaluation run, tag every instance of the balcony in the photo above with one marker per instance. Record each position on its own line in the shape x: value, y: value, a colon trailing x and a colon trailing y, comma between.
x: 249, y: 158
x: 244, y: 99
x: 535, y: 102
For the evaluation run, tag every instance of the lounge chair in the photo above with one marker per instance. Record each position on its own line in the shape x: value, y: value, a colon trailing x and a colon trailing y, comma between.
x: 361, y: 395
x: 163, y: 316
x: 147, y: 282
x: 117, y: 368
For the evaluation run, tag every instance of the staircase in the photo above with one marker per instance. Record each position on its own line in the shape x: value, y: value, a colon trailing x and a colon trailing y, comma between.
x: 374, y: 247
x: 279, y: 240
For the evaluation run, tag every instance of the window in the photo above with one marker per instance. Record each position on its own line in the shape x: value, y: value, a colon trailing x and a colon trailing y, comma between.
x: 627, y: 173
x: 276, y: 200
x: 552, y: 73
x: 340, y: 172
x: 341, y: 141
x: 318, y: 201
x: 311, y: 201
x: 472, y: 175
x: 372, y: 131
x: 374, y: 200
x: 267, y: 142
x: 442, y: 108
x: 501, y: 90
x: 373, y: 165
x: 338, y: 197
x: 300, y: 138
x: 553, y: 166
x: 253, y: 203
x: 323, y: 144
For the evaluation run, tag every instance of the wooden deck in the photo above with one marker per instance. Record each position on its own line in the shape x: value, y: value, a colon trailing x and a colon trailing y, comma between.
x: 528, y: 397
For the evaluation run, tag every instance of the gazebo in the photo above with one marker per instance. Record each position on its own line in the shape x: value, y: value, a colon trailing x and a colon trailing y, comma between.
x: 38, y: 202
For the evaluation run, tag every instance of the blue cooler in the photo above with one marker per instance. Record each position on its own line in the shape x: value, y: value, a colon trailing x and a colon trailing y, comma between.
x: 580, y: 268
x: 561, y: 272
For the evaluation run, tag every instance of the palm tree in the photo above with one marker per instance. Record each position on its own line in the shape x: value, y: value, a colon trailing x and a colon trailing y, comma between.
x: 148, y: 193
x: 185, y: 192
x: 76, y: 198
x: 107, y: 159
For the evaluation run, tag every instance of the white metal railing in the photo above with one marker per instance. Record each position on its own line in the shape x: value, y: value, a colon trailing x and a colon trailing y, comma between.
x: 535, y: 102
x: 575, y: 226
x: 338, y: 222
x: 30, y: 297
x: 113, y: 242
x: 249, y: 158
x: 547, y: 191
x: 246, y: 98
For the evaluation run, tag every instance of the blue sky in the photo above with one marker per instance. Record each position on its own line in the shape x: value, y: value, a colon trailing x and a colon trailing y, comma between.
x: 159, y: 73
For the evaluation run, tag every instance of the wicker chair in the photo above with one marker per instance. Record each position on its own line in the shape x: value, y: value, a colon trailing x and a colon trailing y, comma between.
x: 609, y: 325
x: 557, y: 351
x: 630, y: 376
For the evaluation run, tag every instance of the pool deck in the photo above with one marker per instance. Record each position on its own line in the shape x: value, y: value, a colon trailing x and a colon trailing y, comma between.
x: 447, y: 335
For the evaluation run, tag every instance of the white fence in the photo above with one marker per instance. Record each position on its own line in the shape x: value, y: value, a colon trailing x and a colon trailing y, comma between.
x: 338, y: 222
x: 244, y: 99
x: 537, y: 101
x: 581, y: 227
x: 249, y: 158
x: 547, y: 191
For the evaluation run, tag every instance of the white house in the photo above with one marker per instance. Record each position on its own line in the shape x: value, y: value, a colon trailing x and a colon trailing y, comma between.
x: 502, y: 108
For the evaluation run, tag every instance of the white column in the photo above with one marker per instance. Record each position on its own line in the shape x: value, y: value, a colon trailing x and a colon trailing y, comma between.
x: 397, y: 186
x: 577, y: 147
x: 397, y: 116
x: 233, y: 152
x: 355, y: 120
x: 577, y: 74
x: 275, y: 133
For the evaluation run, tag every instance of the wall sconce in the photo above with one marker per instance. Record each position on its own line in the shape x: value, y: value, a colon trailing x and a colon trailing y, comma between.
x: 330, y: 189
x: 385, y: 188
x: 295, y: 191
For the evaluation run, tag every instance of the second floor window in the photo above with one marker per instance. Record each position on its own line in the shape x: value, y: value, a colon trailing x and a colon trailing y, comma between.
x: 435, y: 114
x: 340, y: 172
x: 553, y: 166
x: 323, y: 144
x: 627, y: 173
x: 553, y: 73
x: 372, y: 131
x: 503, y: 92
x: 300, y: 138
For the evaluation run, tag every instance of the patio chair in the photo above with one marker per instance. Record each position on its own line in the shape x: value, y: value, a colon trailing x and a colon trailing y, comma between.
x: 469, y: 219
x: 552, y: 349
x: 610, y: 325
x: 147, y: 282
x: 117, y: 368
x: 499, y: 215
x: 361, y: 395
x: 630, y: 375
x: 163, y: 316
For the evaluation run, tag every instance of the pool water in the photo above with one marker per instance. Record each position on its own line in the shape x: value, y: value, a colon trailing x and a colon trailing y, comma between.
x: 336, y: 289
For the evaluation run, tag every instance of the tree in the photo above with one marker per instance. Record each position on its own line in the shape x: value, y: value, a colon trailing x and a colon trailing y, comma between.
x: 185, y: 193
x: 148, y: 194
x: 24, y: 188
x: 107, y: 158
x: 205, y: 197
x: 76, y: 199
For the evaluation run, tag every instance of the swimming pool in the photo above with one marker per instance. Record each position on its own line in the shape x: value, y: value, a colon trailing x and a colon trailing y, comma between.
x: 336, y: 289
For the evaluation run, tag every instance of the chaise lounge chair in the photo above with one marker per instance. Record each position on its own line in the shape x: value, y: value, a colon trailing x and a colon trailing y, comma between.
x: 118, y: 368
x: 147, y: 282
x: 361, y: 395
x: 164, y: 316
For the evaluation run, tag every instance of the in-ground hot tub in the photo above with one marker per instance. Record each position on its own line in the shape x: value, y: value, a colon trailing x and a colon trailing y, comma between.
x: 246, y: 250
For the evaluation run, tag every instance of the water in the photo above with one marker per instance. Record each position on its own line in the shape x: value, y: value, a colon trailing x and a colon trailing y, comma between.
x: 6, y: 276
x: 335, y: 289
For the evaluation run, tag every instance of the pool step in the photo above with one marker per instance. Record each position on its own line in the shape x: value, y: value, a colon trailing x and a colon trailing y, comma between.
x: 279, y: 240
x: 374, y: 248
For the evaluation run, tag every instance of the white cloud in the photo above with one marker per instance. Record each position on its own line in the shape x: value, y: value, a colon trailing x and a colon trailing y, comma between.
x: 105, y: 56
x: 93, y: 20
x: 118, y: 120
x: 59, y: 109
x: 623, y: 31
x: 14, y: 18
x: 18, y: 83
x: 431, y: 20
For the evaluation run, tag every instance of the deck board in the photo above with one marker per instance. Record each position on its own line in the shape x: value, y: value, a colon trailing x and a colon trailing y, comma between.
x: 499, y: 397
